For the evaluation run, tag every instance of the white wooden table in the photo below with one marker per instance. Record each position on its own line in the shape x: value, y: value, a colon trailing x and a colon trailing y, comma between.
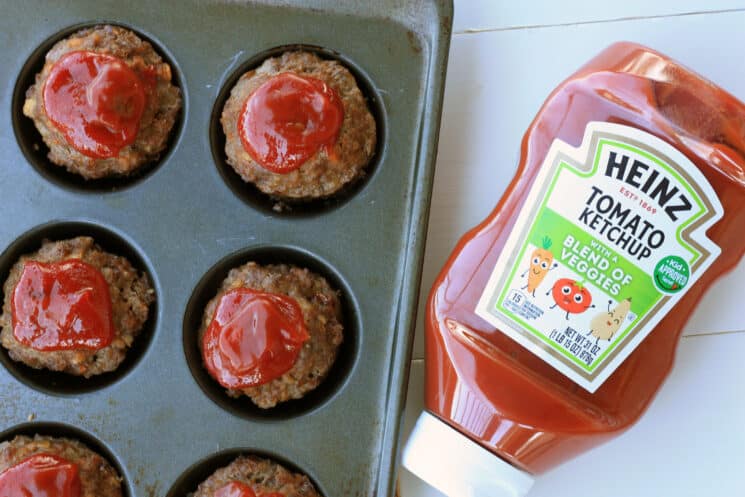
x: 505, y: 58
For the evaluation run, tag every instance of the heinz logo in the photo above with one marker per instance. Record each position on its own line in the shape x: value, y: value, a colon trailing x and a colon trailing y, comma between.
x: 650, y: 181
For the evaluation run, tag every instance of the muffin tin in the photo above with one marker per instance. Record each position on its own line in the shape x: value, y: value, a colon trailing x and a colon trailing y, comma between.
x: 187, y: 219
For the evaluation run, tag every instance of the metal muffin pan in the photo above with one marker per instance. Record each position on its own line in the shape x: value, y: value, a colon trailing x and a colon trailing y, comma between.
x: 185, y: 221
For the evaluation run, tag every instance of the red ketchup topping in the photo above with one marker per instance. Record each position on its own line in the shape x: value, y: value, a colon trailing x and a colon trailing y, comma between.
x: 62, y: 306
x: 96, y: 101
x: 253, y: 338
x: 238, y: 489
x: 41, y: 475
x: 288, y: 119
x: 235, y: 489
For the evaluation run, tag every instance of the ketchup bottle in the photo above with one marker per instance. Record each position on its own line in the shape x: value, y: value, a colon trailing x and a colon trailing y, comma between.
x: 555, y: 321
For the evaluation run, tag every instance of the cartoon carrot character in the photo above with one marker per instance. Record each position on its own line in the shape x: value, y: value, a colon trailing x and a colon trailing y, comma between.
x: 541, y: 261
x: 606, y: 324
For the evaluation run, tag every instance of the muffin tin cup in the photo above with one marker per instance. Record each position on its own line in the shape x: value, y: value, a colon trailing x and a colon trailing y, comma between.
x: 337, y: 376
x: 185, y: 222
x: 190, y: 479
x: 288, y: 207
x: 61, y: 430
x: 34, y: 148
x: 55, y: 383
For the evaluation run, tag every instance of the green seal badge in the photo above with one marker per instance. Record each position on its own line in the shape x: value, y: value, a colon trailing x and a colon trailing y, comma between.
x: 671, y: 274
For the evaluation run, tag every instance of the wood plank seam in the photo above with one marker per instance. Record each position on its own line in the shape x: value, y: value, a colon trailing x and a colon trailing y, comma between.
x: 471, y: 31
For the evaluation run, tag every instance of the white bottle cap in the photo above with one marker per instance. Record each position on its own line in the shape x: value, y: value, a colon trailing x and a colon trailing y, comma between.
x: 457, y: 466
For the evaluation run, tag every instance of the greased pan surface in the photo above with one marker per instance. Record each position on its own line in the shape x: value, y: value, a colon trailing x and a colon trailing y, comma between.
x: 187, y: 220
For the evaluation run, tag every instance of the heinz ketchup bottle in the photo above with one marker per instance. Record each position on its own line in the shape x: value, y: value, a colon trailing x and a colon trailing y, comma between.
x: 554, y: 322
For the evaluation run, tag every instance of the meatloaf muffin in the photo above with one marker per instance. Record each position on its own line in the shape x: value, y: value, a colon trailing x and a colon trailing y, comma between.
x: 162, y: 103
x: 321, y: 314
x: 131, y: 295
x: 97, y: 477
x: 262, y: 476
x: 331, y: 167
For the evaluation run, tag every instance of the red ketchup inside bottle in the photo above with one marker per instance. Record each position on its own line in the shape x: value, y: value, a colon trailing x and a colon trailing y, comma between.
x: 498, y: 410
x: 288, y: 119
x: 62, y: 306
x: 253, y: 338
x: 41, y: 475
x: 96, y: 101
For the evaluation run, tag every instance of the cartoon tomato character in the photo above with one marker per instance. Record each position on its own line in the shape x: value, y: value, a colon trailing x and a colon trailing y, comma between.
x: 541, y: 262
x: 571, y: 296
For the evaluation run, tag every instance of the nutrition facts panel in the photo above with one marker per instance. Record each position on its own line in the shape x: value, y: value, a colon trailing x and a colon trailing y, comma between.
x: 505, y: 59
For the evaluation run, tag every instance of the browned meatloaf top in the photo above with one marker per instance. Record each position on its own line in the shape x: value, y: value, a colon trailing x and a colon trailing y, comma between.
x: 262, y: 475
x: 97, y: 477
x: 131, y: 296
x: 157, y: 120
x: 322, y: 314
x: 320, y: 176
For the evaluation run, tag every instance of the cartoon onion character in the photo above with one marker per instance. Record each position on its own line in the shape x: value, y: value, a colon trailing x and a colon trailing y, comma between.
x: 541, y: 262
x: 606, y: 324
x: 571, y: 296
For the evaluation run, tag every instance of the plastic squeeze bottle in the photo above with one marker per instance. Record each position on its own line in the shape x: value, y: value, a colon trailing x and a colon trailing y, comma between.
x: 555, y: 321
